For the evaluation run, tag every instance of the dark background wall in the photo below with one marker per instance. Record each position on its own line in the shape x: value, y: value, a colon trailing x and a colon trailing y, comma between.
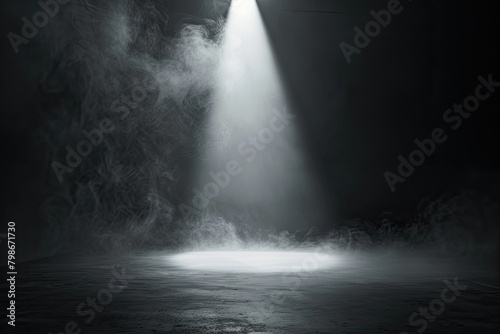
x: 359, y: 117
x: 356, y: 118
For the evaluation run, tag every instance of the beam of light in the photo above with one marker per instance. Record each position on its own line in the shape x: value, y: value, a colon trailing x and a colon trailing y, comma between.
x: 249, y: 86
x: 248, y: 124
x: 254, y: 261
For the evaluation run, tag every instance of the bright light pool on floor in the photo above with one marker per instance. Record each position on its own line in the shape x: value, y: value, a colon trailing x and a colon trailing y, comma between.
x: 254, y: 261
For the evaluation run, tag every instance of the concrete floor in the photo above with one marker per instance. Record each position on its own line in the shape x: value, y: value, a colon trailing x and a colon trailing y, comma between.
x: 362, y: 293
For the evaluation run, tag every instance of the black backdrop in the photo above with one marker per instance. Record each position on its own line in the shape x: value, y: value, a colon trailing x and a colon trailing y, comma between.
x: 356, y: 118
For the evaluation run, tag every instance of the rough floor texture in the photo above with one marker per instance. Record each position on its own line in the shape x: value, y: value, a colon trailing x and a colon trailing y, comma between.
x: 362, y: 294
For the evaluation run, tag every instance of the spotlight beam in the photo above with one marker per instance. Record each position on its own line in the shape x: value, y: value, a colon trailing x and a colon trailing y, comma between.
x: 252, y: 146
